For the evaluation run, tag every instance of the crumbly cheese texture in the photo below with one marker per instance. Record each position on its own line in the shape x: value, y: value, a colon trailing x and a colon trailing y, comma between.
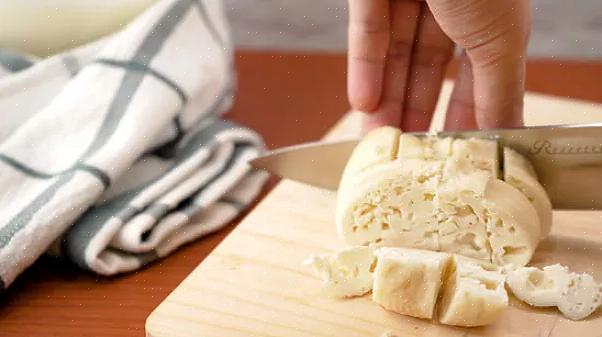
x: 407, y: 281
x: 473, y: 294
x: 576, y: 295
x: 346, y: 273
x: 458, y: 290
x: 441, y: 194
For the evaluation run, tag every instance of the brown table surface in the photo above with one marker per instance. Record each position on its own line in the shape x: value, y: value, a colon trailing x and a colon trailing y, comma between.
x: 288, y: 98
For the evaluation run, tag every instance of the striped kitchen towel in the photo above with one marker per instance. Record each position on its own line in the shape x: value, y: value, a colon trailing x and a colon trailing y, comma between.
x: 113, y: 154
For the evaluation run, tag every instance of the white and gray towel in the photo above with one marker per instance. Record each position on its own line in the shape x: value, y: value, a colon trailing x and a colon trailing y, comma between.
x: 113, y: 154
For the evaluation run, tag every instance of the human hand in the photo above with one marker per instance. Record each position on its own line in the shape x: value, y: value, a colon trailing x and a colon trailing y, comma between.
x: 399, y: 49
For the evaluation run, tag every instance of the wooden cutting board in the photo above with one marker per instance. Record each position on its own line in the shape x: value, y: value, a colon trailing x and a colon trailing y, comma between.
x: 254, y: 283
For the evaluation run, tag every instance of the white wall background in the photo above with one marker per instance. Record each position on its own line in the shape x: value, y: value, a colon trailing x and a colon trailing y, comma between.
x: 561, y: 28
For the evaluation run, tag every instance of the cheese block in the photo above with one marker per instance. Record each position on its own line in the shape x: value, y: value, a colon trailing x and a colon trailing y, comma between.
x: 407, y: 281
x: 439, y: 194
x: 512, y: 224
x: 346, y: 273
x: 473, y: 294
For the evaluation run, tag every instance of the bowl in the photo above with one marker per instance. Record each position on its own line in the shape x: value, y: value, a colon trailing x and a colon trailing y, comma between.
x: 46, y: 27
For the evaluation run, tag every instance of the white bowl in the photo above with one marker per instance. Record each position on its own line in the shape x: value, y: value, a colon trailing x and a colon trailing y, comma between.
x: 44, y: 27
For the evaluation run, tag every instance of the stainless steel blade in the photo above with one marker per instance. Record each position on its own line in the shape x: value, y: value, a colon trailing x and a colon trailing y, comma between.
x: 567, y: 158
x: 318, y: 164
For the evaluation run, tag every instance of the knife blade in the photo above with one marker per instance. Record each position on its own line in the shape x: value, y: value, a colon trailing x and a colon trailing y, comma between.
x: 567, y: 159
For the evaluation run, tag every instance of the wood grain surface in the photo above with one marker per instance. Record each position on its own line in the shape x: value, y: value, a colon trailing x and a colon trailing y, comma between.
x: 255, y: 284
x: 288, y: 98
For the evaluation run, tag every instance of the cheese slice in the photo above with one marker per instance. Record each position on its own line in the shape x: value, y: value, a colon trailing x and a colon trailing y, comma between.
x: 473, y: 294
x: 407, y: 281
x: 377, y: 147
x: 519, y: 173
x: 582, y: 297
x: 576, y: 295
x: 540, y: 288
x: 346, y: 273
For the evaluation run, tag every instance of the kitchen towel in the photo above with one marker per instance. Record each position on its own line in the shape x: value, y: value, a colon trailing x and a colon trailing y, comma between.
x: 114, y: 154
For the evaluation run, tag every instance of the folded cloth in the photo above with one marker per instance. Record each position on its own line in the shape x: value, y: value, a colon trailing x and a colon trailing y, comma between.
x: 11, y: 62
x: 113, y: 154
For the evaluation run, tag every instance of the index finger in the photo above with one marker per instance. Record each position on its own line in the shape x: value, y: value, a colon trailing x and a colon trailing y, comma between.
x: 369, y: 31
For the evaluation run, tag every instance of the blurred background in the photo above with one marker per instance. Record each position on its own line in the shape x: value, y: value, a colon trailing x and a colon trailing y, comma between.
x: 291, y: 80
x: 561, y: 28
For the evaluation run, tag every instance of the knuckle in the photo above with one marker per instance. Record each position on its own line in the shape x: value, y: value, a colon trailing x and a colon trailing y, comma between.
x: 368, y: 27
x: 494, y: 55
x: 400, y: 49
x: 367, y: 57
x: 433, y: 55
x: 463, y: 103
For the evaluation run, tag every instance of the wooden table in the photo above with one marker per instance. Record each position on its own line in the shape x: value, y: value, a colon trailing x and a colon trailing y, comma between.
x: 288, y: 98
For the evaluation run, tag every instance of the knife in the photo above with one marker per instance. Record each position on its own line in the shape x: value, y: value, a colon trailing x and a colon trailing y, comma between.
x: 567, y: 158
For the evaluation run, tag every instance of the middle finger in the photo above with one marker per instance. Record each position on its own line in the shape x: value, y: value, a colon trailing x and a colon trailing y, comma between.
x: 404, y: 17
x: 432, y: 52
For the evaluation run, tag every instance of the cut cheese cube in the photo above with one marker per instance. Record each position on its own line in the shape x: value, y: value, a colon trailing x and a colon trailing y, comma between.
x: 346, y: 273
x: 426, y: 148
x: 469, y: 155
x: 473, y: 294
x: 407, y: 281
